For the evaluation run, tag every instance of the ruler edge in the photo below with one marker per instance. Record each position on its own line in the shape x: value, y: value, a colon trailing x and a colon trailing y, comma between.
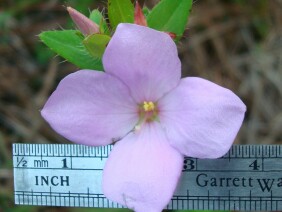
x: 236, y: 149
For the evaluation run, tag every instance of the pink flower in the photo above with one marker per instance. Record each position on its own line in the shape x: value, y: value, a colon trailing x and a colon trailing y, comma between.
x: 154, y: 117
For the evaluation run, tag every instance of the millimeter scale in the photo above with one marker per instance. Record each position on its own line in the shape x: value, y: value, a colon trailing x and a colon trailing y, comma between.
x: 248, y: 177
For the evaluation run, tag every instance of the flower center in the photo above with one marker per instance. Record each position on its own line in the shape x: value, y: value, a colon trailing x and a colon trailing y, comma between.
x: 148, y: 106
x: 148, y: 112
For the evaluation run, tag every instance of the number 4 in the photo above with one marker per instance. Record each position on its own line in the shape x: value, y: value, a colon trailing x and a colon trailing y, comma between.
x: 254, y: 165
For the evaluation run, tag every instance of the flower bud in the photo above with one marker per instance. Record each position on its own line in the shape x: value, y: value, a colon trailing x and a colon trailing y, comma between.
x: 139, y: 17
x: 84, y: 24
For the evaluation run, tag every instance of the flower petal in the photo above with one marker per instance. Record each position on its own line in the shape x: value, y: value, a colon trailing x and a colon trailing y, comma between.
x: 201, y: 118
x: 142, y: 170
x: 144, y: 59
x: 91, y: 108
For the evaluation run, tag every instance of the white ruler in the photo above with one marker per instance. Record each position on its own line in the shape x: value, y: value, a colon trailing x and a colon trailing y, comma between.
x: 249, y: 177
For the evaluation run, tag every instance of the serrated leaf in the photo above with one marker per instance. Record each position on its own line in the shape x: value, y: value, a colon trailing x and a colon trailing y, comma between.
x: 170, y: 16
x: 120, y: 11
x: 68, y: 44
x: 96, y: 44
x: 98, y: 18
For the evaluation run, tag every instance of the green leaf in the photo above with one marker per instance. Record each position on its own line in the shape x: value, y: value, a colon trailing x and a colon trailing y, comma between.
x: 96, y: 44
x: 146, y: 11
x: 120, y: 11
x: 68, y: 44
x: 98, y: 18
x: 170, y: 16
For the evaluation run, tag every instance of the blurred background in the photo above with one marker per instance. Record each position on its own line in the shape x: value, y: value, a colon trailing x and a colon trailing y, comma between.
x: 234, y: 43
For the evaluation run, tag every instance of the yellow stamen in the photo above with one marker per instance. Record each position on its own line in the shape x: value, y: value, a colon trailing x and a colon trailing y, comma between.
x: 148, y: 106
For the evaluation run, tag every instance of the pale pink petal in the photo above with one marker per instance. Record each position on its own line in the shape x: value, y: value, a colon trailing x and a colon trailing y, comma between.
x: 144, y: 59
x: 201, y: 119
x: 142, y: 170
x: 90, y: 107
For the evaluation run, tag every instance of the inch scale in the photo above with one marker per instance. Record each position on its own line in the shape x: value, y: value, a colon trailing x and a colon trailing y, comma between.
x: 248, y: 177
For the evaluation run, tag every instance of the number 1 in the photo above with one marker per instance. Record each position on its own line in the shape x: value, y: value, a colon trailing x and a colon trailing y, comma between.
x: 65, y: 164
